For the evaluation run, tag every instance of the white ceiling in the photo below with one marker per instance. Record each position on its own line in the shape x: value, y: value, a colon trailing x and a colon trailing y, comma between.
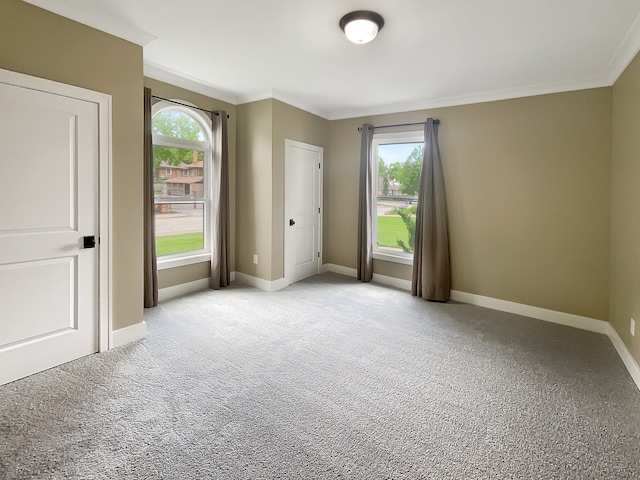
x: 430, y: 53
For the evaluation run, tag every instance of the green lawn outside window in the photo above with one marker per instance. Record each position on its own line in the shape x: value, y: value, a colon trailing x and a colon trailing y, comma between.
x: 390, y: 229
x: 185, y: 242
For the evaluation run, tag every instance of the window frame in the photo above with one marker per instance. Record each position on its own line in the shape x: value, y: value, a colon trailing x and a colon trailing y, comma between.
x: 206, y: 147
x: 388, y: 138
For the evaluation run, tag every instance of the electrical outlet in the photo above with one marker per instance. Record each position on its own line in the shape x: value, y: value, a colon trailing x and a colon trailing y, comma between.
x: 633, y: 327
x: 255, y: 258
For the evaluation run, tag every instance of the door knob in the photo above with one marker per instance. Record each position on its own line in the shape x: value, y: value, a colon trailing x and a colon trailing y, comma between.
x: 89, y: 241
x: 291, y: 222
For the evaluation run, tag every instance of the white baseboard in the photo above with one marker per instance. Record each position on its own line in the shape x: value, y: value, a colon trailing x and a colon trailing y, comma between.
x: 553, y: 316
x: 279, y: 285
x: 332, y: 267
x: 568, y: 319
x: 625, y: 355
x: 129, y: 334
x: 261, y: 283
x: 377, y: 278
x: 168, y: 293
x: 392, y: 282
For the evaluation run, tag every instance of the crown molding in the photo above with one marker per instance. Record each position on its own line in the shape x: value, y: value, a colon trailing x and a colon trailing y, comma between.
x: 178, y: 79
x: 481, y: 97
x: 282, y: 97
x: 167, y: 75
x: 254, y: 96
x: 285, y: 98
x: 92, y: 19
x: 625, y: 53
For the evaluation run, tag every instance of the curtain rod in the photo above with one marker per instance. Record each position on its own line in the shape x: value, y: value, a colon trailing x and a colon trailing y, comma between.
x: 435, y: 122
x: 187, y: 105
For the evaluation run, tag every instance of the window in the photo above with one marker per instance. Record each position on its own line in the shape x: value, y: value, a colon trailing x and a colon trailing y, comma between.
x: 181, y: 143
x: 397, y: 161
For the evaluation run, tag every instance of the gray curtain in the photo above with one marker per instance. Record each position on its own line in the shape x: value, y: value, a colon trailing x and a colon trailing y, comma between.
x: 431, y: 277
x: 150, y: 263
x: 220, y: 274
x: 365, y: 207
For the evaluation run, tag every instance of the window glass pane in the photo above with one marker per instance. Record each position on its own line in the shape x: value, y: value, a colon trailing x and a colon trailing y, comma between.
x: 179, y: 194
x: 178, y: 172
x: 399, y: 167
x: 177, y: 124
x: 179, y: 227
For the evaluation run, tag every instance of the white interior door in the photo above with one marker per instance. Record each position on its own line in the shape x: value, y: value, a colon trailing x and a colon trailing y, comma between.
x: 49, y: 164
x: 303, y: 218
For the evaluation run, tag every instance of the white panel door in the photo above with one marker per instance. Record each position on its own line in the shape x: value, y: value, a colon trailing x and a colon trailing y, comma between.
x: 48, y: 202
x: 303, y: 167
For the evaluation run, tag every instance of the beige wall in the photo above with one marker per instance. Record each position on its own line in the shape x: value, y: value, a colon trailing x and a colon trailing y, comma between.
x: 176, y: 276
x: 625, y: 207
x: 171, y: 277
x: 262, y: 128
x: 254, y: 188
x: 36, y: 42
x: 528, y: 191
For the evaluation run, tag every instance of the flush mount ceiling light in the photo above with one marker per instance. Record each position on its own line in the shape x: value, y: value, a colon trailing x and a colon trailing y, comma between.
x: 361, y: 26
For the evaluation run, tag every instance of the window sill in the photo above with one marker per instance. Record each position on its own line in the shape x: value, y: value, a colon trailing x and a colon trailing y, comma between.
x: 164, y: 263
x: 389, y: 257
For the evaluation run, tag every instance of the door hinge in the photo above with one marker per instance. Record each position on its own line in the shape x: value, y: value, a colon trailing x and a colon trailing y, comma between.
x: 318, y: 165
x: 318, y: 209
x: 318, y: 254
